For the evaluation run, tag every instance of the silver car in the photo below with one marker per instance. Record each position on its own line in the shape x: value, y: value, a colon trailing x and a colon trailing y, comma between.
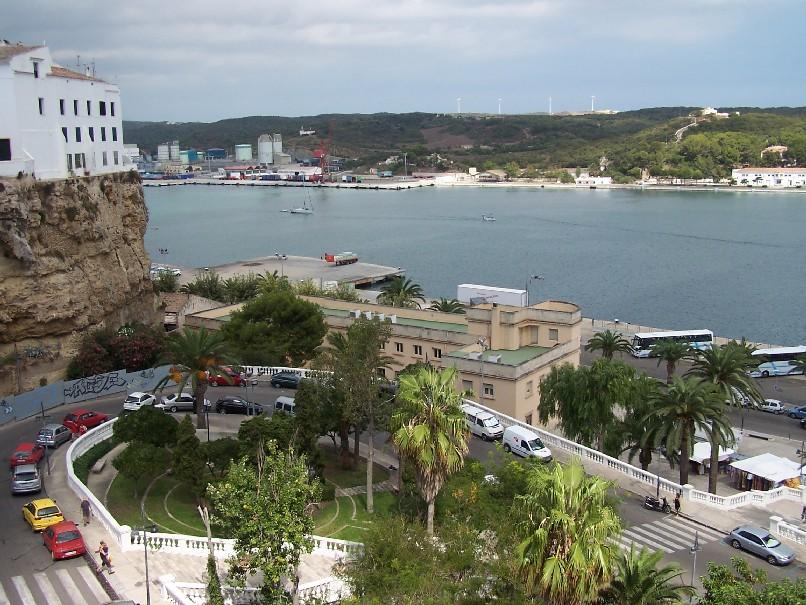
x: 53, y: 435
x: 759, y: 541
x: 25, y: 479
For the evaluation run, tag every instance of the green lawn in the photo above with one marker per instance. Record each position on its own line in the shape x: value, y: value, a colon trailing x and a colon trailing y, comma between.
x: 349, y: 478
x: 336, y: 520
x: 121, y: 502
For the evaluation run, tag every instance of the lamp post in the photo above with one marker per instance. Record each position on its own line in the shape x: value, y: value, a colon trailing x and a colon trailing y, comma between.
x: 405, y: 165
x: 694, y: 549
x: 47, y: 449
x: 483, y: 344
x: 144, y: 529
x: 528, y: 282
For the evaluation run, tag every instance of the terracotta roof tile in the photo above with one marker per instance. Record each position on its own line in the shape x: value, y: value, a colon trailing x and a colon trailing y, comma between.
x: 7, y: 51
x: 62, y: 72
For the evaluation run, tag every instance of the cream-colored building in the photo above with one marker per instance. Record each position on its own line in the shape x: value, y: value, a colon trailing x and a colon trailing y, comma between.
x: 501, y: 352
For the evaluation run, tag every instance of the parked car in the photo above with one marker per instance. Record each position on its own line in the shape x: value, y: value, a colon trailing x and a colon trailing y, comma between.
x: 134, y: 401
x: 42, y: 513
x: 53, y: 435
x: 760, y: 542
x: 482, y: 423
x: 25, y: 479
x: 798, y: 412
x: 226, y: 378
x: 64, y: 540
x: 26, y: 453
x: 773, y: 406
x: 180, y: 402
x: 78, y: 418
x: 285, y: 404
x: 285, y: 380
x: 526, y: 443
x: 803, y: 423
x: 237, y: 405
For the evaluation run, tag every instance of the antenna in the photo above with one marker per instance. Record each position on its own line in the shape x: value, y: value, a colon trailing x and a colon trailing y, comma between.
x: 499, y: 106
x: 550, y: 107
x: 458, y: 104
x: 593, y: 99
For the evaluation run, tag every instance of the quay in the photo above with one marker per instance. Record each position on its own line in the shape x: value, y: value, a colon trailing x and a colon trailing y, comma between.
x: 380, y: 185
x: 300, y: 268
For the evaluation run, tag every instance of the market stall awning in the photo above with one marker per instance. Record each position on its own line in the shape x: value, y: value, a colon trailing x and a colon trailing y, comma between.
x: 769, y: 466
x: 702, y: 452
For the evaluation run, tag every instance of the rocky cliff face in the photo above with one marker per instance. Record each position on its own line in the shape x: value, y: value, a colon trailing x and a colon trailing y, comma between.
x: 72, y: 258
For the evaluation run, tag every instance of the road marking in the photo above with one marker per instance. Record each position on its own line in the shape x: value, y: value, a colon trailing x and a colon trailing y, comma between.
x: 641, y: 539
x: 691, y: 528
x: 3, y: 598
x: 626, y: 544
x: 22, y: 589
x: 93, y: 584
x: 47, y: 589
x: 661, y: 533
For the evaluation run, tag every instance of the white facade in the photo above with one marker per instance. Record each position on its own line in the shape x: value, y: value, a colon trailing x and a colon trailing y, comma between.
x: 770, y: 177
x: 586, y: 179
x: 132, y: 151
x: 55, y: 122
x: 278, y: 143
x: 265, y: 149
x: 174, y: 151
x: 164, y: 153
x: 243, y: 153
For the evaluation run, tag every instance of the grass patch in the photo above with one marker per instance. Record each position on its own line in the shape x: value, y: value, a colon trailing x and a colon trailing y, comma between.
x: 120, y: 500
x: 343, y: 526
x: 349, y: 477
x: 83, y: 464
x: 181, y: 503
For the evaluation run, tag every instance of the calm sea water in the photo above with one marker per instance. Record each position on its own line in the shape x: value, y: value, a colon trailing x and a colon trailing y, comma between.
x: 732, y: 262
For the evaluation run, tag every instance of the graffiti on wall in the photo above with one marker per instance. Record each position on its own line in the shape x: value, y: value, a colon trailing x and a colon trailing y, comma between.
x: 94, y: 385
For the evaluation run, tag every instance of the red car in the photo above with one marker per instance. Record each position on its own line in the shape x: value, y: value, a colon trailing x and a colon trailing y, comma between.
x: 75, y: 420
x: 63, y: 540
x: 231, y: 379
x: 26, y: 453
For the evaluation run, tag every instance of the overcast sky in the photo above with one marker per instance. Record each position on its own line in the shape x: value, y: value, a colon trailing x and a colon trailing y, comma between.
x: 205, y: 60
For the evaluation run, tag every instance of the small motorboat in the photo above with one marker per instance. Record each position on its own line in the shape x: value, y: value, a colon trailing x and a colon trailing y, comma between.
x: 488, y: 218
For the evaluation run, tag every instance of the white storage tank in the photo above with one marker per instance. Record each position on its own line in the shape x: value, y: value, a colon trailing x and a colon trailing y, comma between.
x: 265, y: 149
x: 243, y: 153
x: 277, y: 143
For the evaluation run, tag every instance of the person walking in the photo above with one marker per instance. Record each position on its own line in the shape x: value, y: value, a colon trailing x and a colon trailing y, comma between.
x: 86, y: 511
x: 677, y: 504
x: 803, y: 514
x: 106, y: 559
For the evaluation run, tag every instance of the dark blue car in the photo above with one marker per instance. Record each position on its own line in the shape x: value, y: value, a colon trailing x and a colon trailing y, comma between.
x: 798, y: 412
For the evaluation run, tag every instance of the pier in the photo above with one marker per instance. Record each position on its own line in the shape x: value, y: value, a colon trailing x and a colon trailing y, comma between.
x: 375, y: 184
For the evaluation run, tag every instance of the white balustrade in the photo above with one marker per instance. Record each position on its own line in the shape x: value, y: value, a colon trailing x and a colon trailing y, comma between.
x: 788, y: 531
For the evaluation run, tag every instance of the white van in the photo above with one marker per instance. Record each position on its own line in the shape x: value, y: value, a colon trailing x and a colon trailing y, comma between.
x: 525, y: 443
x: 284, y: 404
x: 481, y: 423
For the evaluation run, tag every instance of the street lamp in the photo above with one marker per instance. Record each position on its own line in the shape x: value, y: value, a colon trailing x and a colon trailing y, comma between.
x: 528, y: 282
x: 694, y: 549
x: 482, y: 342
x: 47, y: 449
x: 144, y: 529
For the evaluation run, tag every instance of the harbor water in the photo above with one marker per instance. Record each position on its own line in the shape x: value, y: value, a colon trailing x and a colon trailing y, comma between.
x: 733, y: 262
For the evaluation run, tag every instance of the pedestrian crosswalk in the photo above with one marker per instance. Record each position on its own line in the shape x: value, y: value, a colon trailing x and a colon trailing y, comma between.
x: 668, y: 534
x: 57, y: 586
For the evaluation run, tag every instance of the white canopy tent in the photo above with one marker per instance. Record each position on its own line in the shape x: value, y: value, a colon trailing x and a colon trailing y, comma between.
x: 702, y: 453
x: 770, y: 467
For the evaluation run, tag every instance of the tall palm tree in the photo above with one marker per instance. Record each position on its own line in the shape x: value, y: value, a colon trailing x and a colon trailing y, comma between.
x: 401, y: 292
x: 430, y: 430
x: 608, y: 342
x: 640, y: 581
x: 799, y: 364
x: 565, y: 555
x: 447, y: 305
x: 632, y: 429
x: 678, y: 411
x: 728, y: 369
x: 194, y: 353
x: 672, y: 352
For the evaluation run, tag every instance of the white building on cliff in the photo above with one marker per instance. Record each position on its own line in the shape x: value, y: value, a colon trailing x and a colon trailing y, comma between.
x: 55, y: 122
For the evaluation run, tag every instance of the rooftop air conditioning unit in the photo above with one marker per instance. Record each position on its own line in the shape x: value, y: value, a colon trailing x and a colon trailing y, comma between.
x: 474, y: 355
x: 494, y: 358
x: 393, y: 319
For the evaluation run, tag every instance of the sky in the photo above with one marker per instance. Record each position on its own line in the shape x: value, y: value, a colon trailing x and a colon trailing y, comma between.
x: 207, y: 60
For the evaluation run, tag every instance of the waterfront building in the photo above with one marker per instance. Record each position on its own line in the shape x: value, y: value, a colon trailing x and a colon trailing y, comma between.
x: 56, y: 122
x: 265, y: 149
x: 770, y: 177
x: 243, y: 153
x: 501, y: 352
x: 164, y: 153
x: 216, y: 153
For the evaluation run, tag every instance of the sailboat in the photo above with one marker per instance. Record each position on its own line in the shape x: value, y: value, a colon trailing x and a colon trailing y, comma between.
x: 306, y: 208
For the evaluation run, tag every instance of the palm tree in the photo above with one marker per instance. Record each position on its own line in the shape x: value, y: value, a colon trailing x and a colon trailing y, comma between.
x: 430, y: 430
x: 728, y: 369
x: 631, y: 431
x: 401, y: 292
x: 608, y: 342
x: 194, y: 353
x: 565, y: 555
x: 677, y: 411
x: 640, y: 581
x: 799, y: 364
x: 447, y: 305
x: 671, y: 352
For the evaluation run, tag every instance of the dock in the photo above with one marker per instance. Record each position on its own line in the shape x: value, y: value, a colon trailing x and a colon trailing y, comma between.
x: 300, y: 268
x: 375, y: 184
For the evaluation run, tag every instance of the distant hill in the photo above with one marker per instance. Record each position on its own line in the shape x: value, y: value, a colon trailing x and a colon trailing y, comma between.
x: 631, y: 141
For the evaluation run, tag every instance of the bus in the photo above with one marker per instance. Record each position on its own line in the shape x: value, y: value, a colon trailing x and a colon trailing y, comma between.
x: 777, y: 362
x: 643, y: 342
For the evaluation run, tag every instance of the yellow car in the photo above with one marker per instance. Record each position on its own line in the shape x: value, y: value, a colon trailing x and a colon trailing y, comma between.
x: 42, y: 513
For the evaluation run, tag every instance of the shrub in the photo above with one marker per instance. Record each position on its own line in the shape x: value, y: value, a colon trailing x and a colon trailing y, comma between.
x: 83, y: 464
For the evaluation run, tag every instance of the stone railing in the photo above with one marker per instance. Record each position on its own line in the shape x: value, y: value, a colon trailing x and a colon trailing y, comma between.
x: 327, y: 590
x: 781, y: 528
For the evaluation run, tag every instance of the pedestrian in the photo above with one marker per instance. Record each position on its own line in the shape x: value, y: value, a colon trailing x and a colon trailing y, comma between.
x: 106, y: 559
x: 677, y: 504
x: 803, y: 514
x: 86, y: 511
x: 82, y: 429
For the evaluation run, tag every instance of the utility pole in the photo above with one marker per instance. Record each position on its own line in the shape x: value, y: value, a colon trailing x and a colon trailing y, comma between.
x: 694, y: 549
x: 483, y: 344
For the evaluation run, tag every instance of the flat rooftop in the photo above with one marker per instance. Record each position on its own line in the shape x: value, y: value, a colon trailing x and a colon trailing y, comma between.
x: 405, y: 321
x: 508, y: 358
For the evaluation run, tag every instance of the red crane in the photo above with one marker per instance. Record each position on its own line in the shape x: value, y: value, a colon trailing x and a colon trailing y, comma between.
x: 324, y: 153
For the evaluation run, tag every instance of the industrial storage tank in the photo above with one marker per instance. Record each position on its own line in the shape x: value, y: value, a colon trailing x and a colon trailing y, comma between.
x: 265, y: 150
x: 278, y: 144
x: 243, y: 153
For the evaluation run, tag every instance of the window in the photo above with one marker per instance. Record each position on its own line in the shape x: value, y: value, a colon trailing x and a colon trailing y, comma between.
x: 489, y: 390
x: 398, y: 347
x: 64, y: 132
x: 103, y: 133
x: 78, y: 134
x: 41, y: 106
x: 437, y: 353
x: 418, y: 350
x: 529, y: 387
x: 75, y: 107
x: 102, y: 107
x: 61, y: 106
x: 467, y: 385
x: 529, y: 418
x: 89, y: 108
x: 78, y: 160
x: 69, y: 161
x: 115, y: 157
x: 91, y: 132
x: 5, y: 150
x: 554, y: 334
x: 36, y: 69
x: 114, y: 133
x: 104, y: 159
x: 112, y: 108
